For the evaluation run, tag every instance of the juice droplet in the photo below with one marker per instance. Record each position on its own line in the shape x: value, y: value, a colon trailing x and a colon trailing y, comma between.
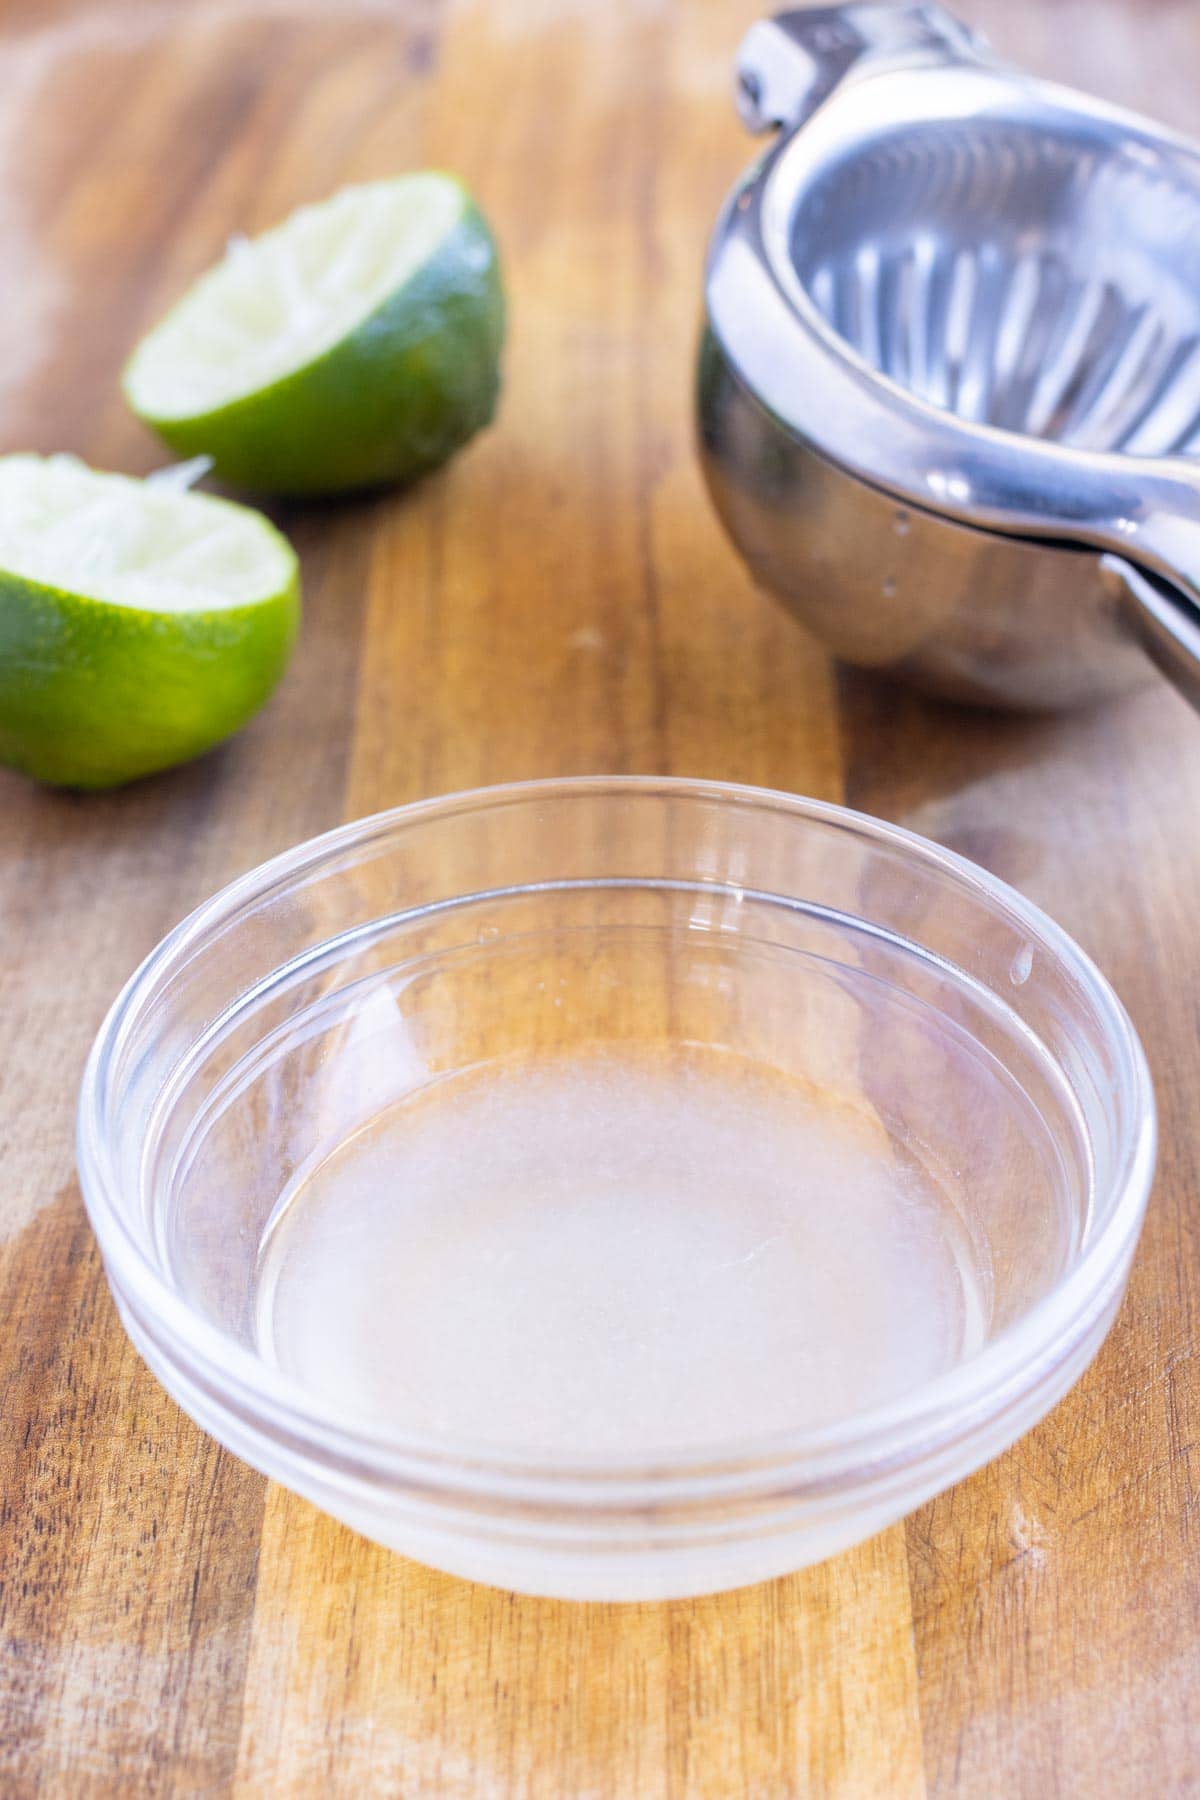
x: 1022, y: 966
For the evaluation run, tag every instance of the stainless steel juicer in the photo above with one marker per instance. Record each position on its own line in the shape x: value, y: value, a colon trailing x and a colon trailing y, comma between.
x: 949, y: 389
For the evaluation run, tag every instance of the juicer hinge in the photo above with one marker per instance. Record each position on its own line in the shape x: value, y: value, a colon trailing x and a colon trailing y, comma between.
x: 789, y: 64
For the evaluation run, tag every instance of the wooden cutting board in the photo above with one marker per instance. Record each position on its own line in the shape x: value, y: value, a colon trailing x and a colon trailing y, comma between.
x: 559, y: 601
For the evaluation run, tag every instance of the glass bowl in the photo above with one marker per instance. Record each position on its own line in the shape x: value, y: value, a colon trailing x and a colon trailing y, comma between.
x: 617, y: 1188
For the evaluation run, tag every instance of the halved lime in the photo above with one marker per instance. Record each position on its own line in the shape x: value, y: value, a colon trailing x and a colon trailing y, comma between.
x: 139, y: 624
x: 356, y: 343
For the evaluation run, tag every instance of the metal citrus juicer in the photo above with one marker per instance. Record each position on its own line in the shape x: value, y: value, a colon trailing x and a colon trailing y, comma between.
x: 949, y: 389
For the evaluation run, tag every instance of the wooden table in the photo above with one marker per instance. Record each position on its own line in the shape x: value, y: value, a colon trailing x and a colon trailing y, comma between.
x: 559, y: 601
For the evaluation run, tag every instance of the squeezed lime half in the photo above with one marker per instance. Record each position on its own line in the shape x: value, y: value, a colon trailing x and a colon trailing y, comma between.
x: 140, y: 624
x: 356, y: 343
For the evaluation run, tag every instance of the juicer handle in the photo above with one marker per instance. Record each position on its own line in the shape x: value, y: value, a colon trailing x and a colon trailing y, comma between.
x: 1165, y: 618
x: 789, y: 64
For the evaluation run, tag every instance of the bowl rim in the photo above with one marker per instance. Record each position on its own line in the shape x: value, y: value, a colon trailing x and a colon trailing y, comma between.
x: 917, y: 1425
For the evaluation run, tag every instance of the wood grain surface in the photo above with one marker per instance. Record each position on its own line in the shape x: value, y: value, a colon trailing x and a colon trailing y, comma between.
x: 558, y: 601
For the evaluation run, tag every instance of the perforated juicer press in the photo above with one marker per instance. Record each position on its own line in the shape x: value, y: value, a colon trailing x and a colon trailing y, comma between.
x: 949, y: 388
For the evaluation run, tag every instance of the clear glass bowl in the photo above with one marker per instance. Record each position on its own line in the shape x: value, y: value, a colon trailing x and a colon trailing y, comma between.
x: 910, y: 1127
